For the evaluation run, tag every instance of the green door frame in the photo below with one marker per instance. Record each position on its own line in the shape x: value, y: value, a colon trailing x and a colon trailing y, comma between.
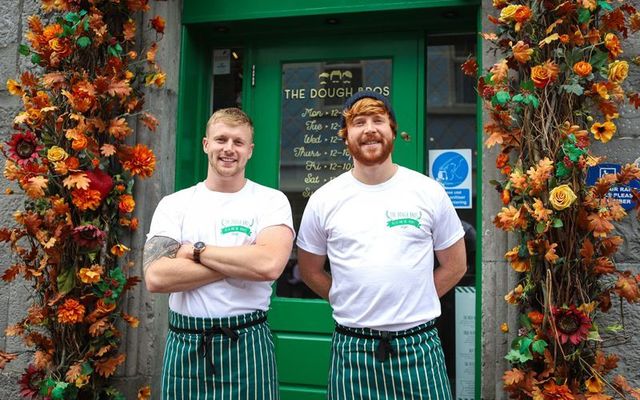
x: 207, y: 24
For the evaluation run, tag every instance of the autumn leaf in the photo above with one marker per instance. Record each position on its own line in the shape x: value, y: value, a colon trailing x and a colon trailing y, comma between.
x: 99, y: 327
x: 149, y: 121
x: 548, y: 40
x: 77, y: 180
x: 107, y: 150
x: 587, y: 251
x: 131, y: 320
x: 599, y: 396
x: 11, y: 272
x: 158, y: 24
x: 603, y: 265
x: 106, y: 368
x: 6, y: 358
x: 131, y: 282
x: 34, y: 188
x: 151, y: 53
x: 52, y: 79
x: 144, y: 393
x: 634, y: 99
x: 627, y: 287
x: 119, y: 128
x: 129, y: 29
x: 594, y: 384
x: 74, y: 372
x: 103, y: 350
x: 512, y: 377
x: 120, y: 89
x: 499, y: 71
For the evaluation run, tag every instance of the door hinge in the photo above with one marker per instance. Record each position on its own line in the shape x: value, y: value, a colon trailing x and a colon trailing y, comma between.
x: 253, y: 75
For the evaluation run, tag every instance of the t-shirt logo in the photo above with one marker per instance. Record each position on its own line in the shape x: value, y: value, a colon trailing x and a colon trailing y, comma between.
x: 400, y: 218
x: 236, y: 225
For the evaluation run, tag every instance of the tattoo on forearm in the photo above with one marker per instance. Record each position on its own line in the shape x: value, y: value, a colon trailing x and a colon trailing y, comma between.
x: 158, y: 247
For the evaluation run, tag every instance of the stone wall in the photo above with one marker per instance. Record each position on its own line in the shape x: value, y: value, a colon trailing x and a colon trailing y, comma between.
x: 144, y: 345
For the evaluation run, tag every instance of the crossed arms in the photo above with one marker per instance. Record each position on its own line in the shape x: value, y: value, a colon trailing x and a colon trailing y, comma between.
x: 169, y: 266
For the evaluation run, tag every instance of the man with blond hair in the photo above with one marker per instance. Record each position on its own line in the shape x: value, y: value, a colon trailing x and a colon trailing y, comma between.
x: 380, y: 224
x: 216, y: 247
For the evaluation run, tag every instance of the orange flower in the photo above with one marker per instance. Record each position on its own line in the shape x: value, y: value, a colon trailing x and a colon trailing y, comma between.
x: 86, y: 199
x: 158, y: 24
x: 603, y: 131
x: 139, y: 160
x: 521, y: 16
x: 14, y: 88
x: 70, y: 312
x: 582, y: 69
x: 119, y: 250
x: 504, y: 327
x: 618, y: 71
x: 612, y: 43
x: 539, y: 212
x: 536, y: 317
x: 126, y: 204
x: 90, y: 275
x: 60, y: 46
x: 557, y: 392
x: 144, y: 393
x: 514, y: 296
x: 522, y: 52
x: 505, y: 196
x: 544, y: 74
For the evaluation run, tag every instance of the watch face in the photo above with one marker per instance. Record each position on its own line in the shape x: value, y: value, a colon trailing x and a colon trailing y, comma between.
x: 199, y: 246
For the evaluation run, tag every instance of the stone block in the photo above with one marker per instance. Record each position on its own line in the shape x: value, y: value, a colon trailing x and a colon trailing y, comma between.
x: 9, y: 23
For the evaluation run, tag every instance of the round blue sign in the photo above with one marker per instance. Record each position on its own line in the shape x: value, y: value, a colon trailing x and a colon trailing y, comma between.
x: 450, y: 169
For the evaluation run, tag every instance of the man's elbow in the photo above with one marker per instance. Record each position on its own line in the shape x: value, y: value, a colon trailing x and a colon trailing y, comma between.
x: 153, y: 282
x: 273, y: 270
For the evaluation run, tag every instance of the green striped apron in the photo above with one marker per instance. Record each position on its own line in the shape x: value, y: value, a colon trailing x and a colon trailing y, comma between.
x: 406, y: 365
x: 227, y: 364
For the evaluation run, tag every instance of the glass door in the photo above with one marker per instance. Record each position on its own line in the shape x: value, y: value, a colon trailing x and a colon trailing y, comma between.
x: 297, y: 89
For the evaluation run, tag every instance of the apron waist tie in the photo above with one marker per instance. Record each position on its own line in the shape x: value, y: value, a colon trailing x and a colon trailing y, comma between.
x: 207, y: 335
x: 384, y: 349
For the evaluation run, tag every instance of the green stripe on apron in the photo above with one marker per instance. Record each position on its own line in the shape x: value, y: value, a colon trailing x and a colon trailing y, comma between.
x: 415, y: 370
x: 244, y: 369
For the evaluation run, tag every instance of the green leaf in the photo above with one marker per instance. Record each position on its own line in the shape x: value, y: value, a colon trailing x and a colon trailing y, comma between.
x: 538, y: 346
x: 519, y: 98
x: 83, y: 13
x: 614, y: 328
x: 502, y: 97
x: 58, y: 392
x: 557, y: 223
x: 540, y: 226
x: 72, y: 17
x: 594, y: 335
x: 67, y: 31
x: 46, y: 385
x: 605, y: 5
x: 598, y: 59
x: 573, y: 89
x: 83, y: 41
x: 583, y: 15
x: 24, y: 50
x: 527, y: 85
x: 86, y: 368
x: 525, y: 321
x: 86, y: 24
x: 66, y: 281
x: 35, y: 58
x: 533, y: 100
x: 562, y: 170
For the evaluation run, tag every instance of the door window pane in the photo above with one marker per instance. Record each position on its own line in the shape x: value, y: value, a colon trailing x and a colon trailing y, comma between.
x: 311, y: 153
x: 227, y: 78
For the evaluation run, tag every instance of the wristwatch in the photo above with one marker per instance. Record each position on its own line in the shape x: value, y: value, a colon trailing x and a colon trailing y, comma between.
x: 198, y: 247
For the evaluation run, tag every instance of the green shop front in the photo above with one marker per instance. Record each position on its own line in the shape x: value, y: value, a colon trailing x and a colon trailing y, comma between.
x: 290, y: 65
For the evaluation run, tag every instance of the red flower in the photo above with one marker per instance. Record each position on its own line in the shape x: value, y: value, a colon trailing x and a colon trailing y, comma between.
x: 30, y: 382
x: 23, y: 148
x: 88, y: 236
x: 572, y: 325
x: 100, y: 181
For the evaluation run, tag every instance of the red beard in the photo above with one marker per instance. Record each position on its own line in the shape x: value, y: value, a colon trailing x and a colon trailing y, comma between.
x: 370, y: 157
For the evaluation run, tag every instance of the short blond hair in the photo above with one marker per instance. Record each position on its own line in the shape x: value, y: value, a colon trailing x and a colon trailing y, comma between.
x: 230, y: 116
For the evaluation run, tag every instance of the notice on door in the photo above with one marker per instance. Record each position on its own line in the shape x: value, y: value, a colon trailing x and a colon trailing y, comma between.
x: 311, y: 152
x: 465, y: 342
x: 452, y: 168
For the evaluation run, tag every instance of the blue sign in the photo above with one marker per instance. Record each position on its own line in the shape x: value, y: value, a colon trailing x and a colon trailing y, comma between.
x: 621, y: 193
x: 450, y: 169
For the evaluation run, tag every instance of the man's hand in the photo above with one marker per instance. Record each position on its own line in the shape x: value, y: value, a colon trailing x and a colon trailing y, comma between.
x: 453, y: 265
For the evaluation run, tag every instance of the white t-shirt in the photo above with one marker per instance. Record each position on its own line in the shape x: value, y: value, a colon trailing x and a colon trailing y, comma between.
x: 221, y: 219
x: 380, y: 241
